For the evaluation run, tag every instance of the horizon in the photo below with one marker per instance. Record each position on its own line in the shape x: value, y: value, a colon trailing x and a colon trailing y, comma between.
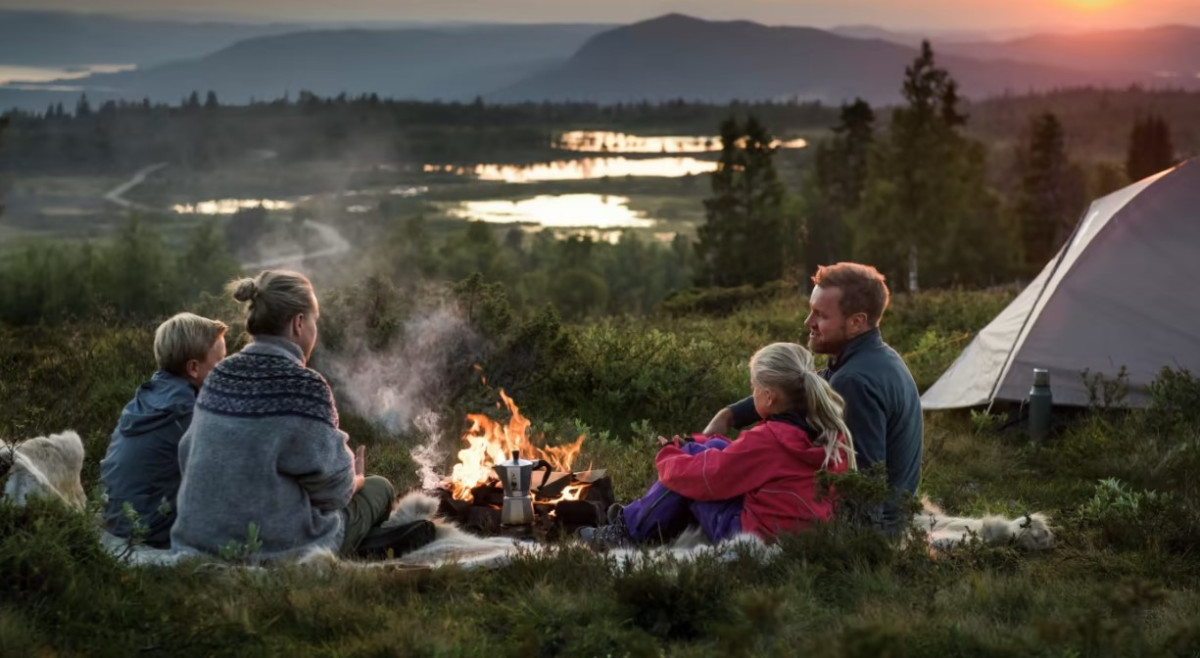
x: 916, y: 15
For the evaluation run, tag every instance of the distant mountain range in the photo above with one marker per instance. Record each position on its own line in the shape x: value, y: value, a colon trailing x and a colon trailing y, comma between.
x: 408, y: 64
x: 669, y: 57
x: 1168, y: 51
x: 677, y: 56
x: 45, y: 38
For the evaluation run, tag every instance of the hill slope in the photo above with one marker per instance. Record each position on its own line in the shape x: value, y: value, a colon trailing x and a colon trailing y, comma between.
x: 47, y: 38
x: 409, y: 63
x: 679, y: 56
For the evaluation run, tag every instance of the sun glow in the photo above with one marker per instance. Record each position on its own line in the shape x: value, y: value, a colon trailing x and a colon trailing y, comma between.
x: 1094, y: 4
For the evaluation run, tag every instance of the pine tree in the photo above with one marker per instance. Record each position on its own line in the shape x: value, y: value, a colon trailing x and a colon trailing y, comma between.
x: 743, y: 240
x: 1107, y: 177
x: 926, y: 212
x: 1150, y: 148
x: 1051, y: 194
x: 834, y: 186
x: 83, y: 108
x: 207, y: 260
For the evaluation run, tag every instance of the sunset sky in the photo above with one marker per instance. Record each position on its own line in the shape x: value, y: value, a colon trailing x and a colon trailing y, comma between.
x: 937, y: 14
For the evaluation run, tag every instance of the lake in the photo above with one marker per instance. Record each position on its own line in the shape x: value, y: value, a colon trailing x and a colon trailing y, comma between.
x: 229, y: 206
x: 596, y: 211
x: 41, y: 74
x: 580, y: 169
x: 603, y: 141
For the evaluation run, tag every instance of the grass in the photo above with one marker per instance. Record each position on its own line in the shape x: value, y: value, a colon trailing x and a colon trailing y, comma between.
x: 1120, y: 582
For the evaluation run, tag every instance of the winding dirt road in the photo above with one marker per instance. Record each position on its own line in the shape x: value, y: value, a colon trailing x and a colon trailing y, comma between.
x: 335, y: 243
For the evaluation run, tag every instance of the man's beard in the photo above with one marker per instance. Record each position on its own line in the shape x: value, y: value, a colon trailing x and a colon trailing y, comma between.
x: 826, y: 345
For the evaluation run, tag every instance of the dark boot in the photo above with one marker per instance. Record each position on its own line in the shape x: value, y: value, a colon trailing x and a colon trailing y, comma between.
x: 613, y: 535
x: 396, y: 540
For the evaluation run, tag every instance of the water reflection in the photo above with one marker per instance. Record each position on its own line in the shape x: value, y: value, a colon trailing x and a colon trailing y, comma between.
x: 230, y: 206
x: 556, y: 211
x: 611, y: 236
x: 408, y: 191
x: 582, y: 169
x: 603, y: 141
x: 36, y: 74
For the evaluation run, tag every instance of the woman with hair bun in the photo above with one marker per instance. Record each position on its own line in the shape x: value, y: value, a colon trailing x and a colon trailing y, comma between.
x: 264, y: 446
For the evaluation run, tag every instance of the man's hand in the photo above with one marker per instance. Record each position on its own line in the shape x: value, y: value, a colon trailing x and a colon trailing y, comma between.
x: 720, y: 424
x: 663, y: 441
x: 358, y: 482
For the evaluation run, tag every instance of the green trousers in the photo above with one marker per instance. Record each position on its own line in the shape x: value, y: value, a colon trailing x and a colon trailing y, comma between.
x: 368, y: 508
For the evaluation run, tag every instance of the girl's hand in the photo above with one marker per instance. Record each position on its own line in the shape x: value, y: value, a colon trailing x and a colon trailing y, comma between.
x: 663, y: 441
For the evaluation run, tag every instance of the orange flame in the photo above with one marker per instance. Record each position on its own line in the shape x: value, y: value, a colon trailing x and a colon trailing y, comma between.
x: 490, y: 442
x: 571, y: 492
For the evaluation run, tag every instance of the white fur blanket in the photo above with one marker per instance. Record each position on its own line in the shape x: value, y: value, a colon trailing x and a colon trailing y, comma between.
x: 45, y: 467
x: 1031, y: 532
x: 455, y: 546
x: 50, y: 466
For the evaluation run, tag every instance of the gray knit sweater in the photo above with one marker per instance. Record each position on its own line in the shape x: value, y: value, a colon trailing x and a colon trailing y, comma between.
x: 264, y: 447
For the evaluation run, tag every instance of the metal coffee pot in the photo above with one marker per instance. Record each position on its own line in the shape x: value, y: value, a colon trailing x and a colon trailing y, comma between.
x: 516, y: 476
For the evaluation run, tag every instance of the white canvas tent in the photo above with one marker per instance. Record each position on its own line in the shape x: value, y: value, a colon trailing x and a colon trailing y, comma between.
x: 1123, y: 291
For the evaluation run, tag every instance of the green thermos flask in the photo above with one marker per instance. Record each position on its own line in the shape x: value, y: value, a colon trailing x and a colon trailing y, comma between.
x: 1040, y: 401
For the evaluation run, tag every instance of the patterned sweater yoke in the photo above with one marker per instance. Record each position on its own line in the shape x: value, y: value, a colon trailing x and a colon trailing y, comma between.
x: 266, y: 379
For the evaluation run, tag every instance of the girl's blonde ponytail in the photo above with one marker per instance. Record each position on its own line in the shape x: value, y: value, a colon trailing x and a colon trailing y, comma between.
x: 789, y: 369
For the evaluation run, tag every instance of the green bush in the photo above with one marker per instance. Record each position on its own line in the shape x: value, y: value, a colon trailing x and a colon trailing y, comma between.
x: 1174, y: 410
x: 137, y: 275
x: 673, y: 603
x: 837, y: 588
x: 722, y: 302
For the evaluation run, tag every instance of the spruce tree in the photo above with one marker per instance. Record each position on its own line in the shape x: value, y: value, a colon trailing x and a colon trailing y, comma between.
x: 927, y: 214
x: 82, y: 107
x: 1051, y: 194
x: 833, y: 188
x: 1150, y: 148
x: 743, y: 240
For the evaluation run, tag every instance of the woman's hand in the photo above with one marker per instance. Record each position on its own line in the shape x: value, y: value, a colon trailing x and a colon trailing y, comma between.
x: 663, y: 441
x: 358, y: 482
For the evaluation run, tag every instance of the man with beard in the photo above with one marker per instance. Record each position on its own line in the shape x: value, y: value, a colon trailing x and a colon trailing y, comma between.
x: 883, y: 406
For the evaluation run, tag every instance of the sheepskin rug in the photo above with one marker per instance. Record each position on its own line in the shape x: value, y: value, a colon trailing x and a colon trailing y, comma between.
x: 50, y: 467
x: 45, y: 467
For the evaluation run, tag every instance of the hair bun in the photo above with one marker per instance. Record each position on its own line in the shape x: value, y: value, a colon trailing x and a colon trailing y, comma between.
x: 246, y: 290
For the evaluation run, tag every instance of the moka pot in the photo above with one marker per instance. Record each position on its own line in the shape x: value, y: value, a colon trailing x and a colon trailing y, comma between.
x: 516, y: 476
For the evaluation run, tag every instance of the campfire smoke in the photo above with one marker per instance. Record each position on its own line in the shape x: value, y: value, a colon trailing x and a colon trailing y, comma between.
x: 429, y: 454
x: 393, y: 387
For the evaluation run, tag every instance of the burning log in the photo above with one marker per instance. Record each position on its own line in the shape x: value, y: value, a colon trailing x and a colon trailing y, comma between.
x: 580, y: 513
x: 555, y: 514
x: 490, y: 443
x: 565, y: 500
x: 487, y: 495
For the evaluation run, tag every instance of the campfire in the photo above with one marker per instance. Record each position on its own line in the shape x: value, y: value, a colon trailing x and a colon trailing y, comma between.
x: 563, y: 500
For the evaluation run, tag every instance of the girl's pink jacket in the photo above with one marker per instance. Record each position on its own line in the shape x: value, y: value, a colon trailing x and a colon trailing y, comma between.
x: 773, y: 465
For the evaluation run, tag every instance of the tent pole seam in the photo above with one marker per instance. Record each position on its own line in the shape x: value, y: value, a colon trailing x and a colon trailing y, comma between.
x: 1062, y: 255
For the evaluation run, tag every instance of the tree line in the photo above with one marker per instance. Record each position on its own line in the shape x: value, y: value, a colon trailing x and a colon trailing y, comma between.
x: 916, y: 197
x: 908, y: 189
x: 202, y: 133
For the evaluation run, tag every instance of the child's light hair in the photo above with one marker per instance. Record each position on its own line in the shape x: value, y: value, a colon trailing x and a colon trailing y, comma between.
x: 184, y: 337
x: 788, y: 369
